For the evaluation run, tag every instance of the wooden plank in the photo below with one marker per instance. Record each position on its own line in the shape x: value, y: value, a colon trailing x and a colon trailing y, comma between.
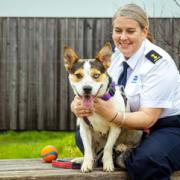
x: 102, y: 34
x: 11, y: 60
x: 36, y: 169
x: 40, y: 58
x: 167, y: 34
x: 152, y: 22
x: 63, y: 79
x: 88, y: 37
x: 22, y: 73
x: 3, y: 120
x: 32, y: 62
x: 73, y: 42
x: 163, y: 34
x: 50, y: 74
x: 6, y: 72
x: 26, y: 169
x: 80, y: 41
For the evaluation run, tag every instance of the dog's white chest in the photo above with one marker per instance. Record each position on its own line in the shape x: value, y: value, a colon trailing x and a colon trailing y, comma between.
x: 99, y: 124
x: 102, y: 125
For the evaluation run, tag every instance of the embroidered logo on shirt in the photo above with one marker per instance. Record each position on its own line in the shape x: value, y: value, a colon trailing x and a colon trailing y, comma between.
x: 135, y: 78
x: 153, y: 56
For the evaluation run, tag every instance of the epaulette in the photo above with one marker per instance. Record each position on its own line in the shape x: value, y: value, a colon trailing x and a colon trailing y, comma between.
x: 153, y: 56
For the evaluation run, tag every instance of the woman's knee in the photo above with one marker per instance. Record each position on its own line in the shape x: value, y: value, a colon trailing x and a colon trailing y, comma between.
x: 144, y: 166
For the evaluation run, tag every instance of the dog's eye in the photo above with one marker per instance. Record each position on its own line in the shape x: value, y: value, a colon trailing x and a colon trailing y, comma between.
x: 79, y: 76
x: 96, y: 76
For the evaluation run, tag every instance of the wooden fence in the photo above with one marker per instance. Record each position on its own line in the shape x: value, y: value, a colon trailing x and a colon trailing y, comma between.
x: 34, y: 89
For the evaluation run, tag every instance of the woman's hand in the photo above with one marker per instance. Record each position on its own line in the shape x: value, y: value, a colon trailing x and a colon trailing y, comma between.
x: 78, y: 108
x: 105, y: 109
x: 142, y: 119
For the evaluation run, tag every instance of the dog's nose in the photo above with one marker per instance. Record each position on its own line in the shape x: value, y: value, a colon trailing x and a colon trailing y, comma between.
x: 87, y: 89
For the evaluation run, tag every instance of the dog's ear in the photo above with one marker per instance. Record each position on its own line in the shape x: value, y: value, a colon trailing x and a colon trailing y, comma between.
x: 104, y: 55
x: 70, y: 57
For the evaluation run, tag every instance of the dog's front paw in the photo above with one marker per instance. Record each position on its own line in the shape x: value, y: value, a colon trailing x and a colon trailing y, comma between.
x: 87, y: 165
x: 108, y: 165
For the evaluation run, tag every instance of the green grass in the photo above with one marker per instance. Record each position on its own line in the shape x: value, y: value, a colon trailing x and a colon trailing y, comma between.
x: 28, y: 144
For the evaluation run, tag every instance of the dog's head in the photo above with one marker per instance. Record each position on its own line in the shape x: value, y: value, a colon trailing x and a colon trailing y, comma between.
x: 88, y: 77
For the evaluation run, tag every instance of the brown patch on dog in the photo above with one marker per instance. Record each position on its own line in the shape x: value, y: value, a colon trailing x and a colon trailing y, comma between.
x: 76, y: 66
x: 104, y: 55
x: 98, y: 65
x: 97, y: 75
x: 70, y: 57
x: 77, y: 75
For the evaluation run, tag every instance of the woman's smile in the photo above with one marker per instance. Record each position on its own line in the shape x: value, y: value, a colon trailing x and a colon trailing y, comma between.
x: 128, y: 35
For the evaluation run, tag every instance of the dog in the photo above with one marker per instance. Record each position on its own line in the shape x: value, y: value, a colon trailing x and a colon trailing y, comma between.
x: 89, y: 79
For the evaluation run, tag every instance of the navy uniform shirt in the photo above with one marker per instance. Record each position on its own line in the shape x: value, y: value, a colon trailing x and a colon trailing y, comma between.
x: 153, y: 80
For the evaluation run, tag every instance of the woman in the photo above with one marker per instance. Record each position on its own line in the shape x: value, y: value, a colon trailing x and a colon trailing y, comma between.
x: 153, y: 91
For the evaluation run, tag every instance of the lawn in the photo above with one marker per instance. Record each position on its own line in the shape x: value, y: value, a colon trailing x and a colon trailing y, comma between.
x: 28, y: 144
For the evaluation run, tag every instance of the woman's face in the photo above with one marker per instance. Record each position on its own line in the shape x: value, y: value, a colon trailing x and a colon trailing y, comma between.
x: 128, y: 35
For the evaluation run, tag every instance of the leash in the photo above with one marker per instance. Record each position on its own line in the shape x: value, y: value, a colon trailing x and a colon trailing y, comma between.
x: 123, y: 95
x: 66, y: 164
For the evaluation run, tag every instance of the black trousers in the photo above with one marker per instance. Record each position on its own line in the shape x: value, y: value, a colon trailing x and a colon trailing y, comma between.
x: 158, y: 155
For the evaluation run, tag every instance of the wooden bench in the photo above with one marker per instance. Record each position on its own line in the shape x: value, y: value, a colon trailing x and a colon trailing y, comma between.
x: 32, y: 169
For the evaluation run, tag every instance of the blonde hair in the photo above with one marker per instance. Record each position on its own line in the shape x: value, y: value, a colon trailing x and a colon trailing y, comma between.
x: 136, y: 13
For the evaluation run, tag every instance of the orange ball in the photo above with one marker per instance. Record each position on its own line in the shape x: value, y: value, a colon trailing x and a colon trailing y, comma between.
x: 49, y: 153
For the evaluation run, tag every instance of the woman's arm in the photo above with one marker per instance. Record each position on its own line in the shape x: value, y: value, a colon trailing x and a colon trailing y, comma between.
x: 142, y: 119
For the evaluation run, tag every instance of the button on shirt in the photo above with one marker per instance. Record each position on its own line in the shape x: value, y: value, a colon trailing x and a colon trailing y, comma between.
x: 149, y: 84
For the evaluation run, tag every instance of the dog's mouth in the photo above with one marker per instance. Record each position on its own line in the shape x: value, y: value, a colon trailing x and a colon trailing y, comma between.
x: 87, y: 100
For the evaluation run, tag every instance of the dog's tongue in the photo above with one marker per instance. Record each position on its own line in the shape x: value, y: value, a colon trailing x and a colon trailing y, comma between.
x: 87, y: 100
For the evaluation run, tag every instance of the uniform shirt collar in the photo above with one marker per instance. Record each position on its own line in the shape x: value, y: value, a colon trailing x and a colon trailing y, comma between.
x: 120, y: 56
x: 133, y: 60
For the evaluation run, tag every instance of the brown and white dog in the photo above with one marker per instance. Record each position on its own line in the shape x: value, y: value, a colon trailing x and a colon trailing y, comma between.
x: 89, y: 79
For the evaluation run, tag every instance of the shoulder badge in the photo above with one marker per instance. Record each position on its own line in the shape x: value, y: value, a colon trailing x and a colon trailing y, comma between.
x: 153, y: 56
